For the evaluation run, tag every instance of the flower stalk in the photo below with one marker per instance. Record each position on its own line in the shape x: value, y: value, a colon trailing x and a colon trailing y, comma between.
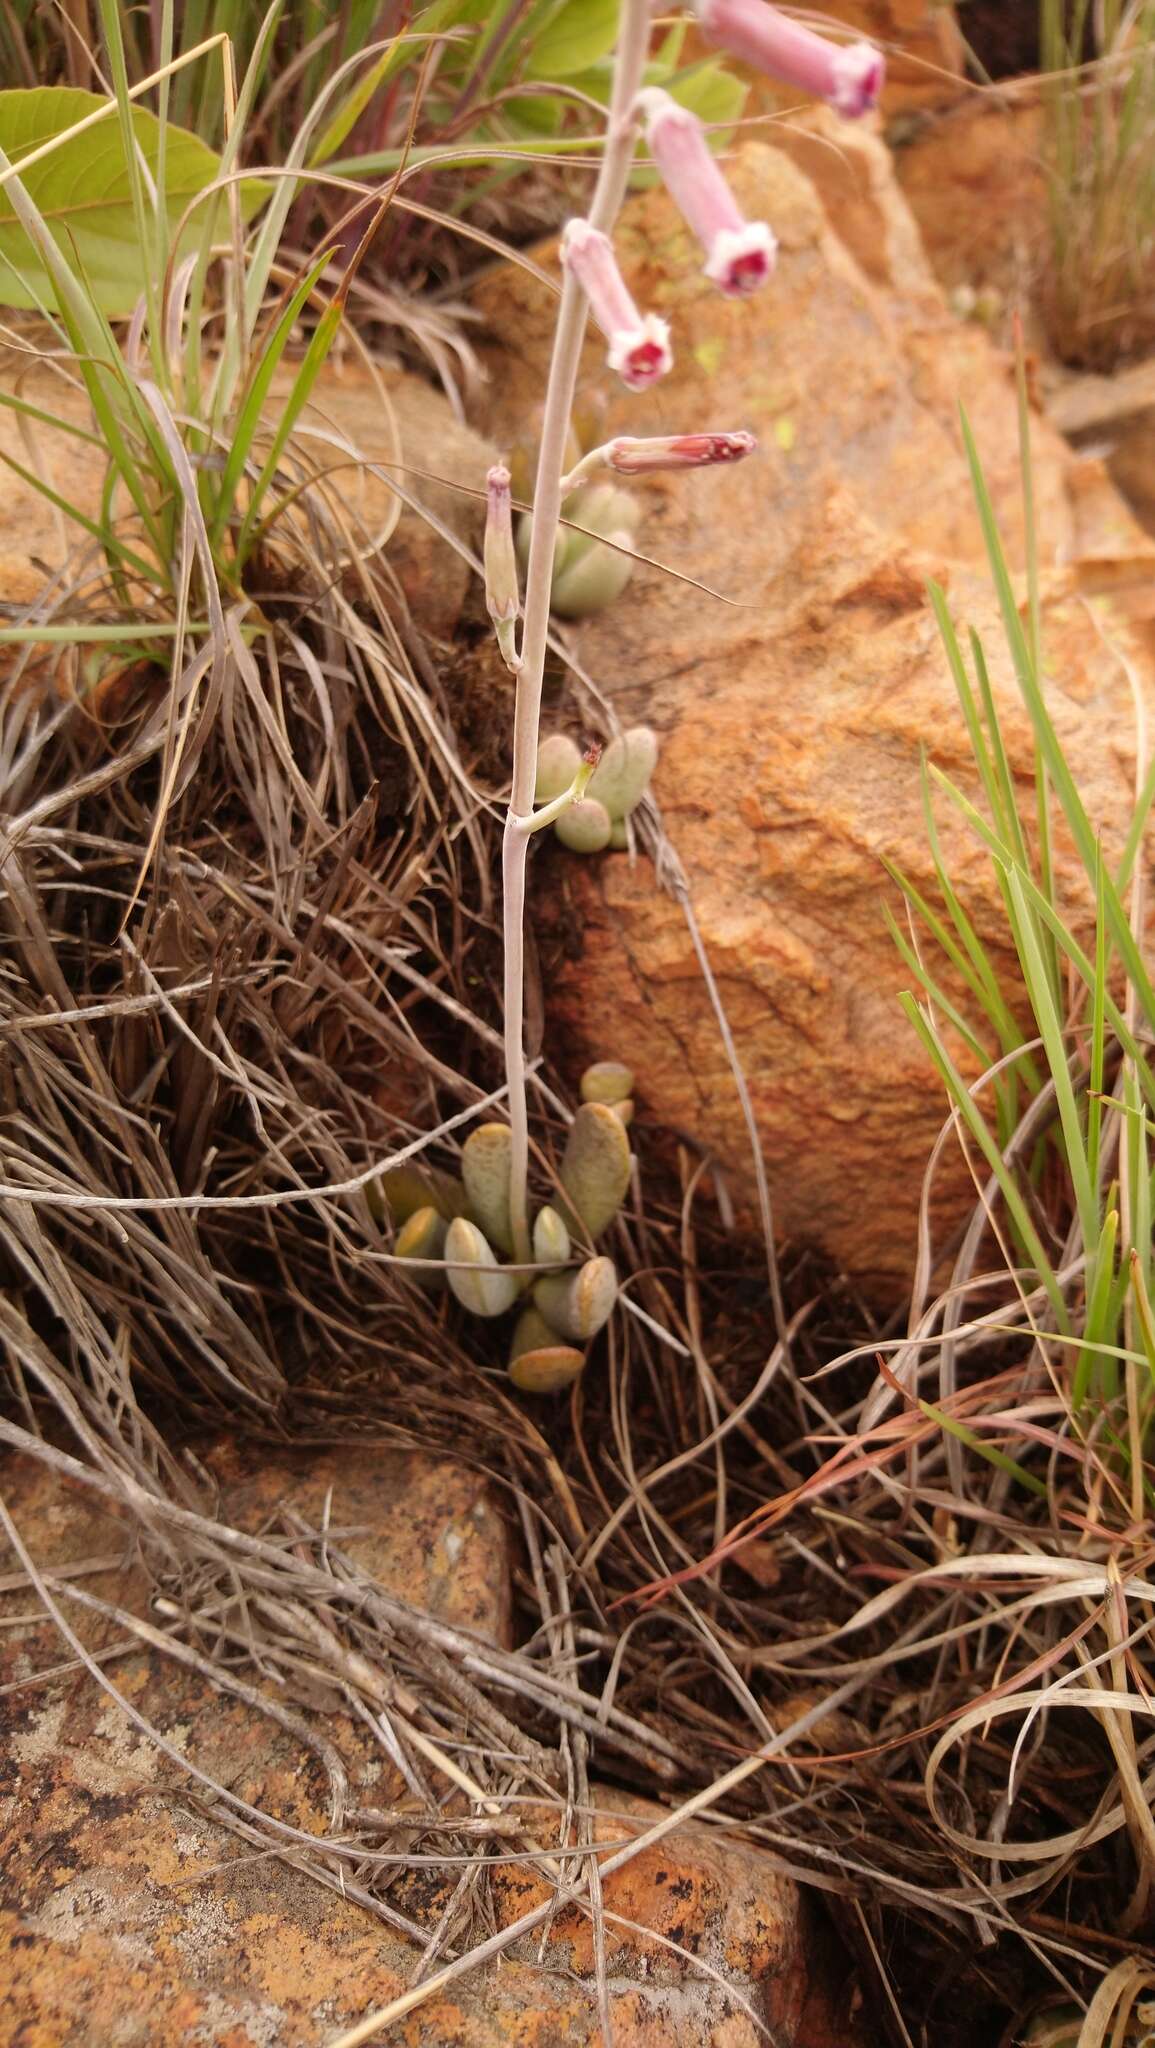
x: 633, y: 43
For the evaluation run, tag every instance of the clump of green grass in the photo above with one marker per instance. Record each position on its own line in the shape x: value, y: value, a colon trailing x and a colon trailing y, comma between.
x: 1099, y: 150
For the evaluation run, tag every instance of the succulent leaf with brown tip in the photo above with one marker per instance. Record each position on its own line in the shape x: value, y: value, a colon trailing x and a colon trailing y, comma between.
x: 576, y: 1305
x: 538, y: 1362
x: 422, y: 1236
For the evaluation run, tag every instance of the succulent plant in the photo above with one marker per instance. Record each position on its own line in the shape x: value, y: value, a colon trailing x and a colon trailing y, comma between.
x: 588, y: 575
x: 551, y: 1242
x: 597, y: 818
x: 584, y: 826
x: 480, y: 1284
x: 485, y: 1165
x: 595, y: 1168
x: 576, y: 1305
x: 422, y: 1236
x: 538, y: 1362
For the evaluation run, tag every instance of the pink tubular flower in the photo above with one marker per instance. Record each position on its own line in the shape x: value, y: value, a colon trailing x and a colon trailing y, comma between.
x: 639, y: 346
x: 850, y: 77
x: 739, y: 253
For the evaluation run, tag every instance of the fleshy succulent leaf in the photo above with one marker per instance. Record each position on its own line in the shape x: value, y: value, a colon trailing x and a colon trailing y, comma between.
x: 558, y: 760
x: 480, y: 1284
x: 547, y: 1371
x: 607, y: 1081
x: 595, y: 1169
x: 593, y: 576
x: 551, y: 1244
x: 584, y: 826
x: 576, y: 1305
x: 405, y: 1189
x: 422, y: 1236
x: 538, y: 1363
x: 485, y: 1165
x: 624, y: 772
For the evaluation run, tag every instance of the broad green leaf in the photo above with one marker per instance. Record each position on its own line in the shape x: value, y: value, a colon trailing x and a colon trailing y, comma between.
x: 534, y: 114
x: 711, y: 92
x: 580, y: 34
x: 83, y: 193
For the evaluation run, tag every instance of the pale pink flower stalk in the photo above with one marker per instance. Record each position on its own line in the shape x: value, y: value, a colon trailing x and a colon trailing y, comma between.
x: 739, y: 253
x: 630, y: 456
x: 639, y: 344
x: 849, y: 76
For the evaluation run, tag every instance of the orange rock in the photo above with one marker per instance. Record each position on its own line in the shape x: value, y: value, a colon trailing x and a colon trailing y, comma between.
x: 794, y: 710
x: 974, y: 178
x: 130, y: 1917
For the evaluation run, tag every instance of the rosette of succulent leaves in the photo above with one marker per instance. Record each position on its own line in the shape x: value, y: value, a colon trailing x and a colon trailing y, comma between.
x: 619, y: 782
x: 456, y: 1232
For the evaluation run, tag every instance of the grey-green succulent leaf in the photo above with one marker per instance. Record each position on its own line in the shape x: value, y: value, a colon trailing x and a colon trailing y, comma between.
x: 538, y: 1363
x: 593, y: 577
x: 625, y: 770
x: 595, y: 1168
x: 480, y: 1284
x: 485, y: 1164
x: 422, y: 1236
x: 584, y: 826
x: 551, y: 1242
x: 577, y: 1305
x: 547, y: 1371
x: 607, y: 1081
x: 558, y: 759
x: 405, y: 1189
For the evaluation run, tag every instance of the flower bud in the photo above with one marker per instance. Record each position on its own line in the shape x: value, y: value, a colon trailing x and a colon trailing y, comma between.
x: 501, y: 592
x: 639, y: 345
x: 849, y: 77
x: 739, y: 253
x: 631, y: 456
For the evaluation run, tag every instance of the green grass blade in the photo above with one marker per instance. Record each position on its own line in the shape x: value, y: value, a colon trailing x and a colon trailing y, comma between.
x: 976, y: 1126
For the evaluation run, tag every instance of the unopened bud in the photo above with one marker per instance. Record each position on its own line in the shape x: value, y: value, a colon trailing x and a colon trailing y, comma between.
x: 631, y: 455
x: 639, y: 344
x: 740, y: 254
x: 502, y: 600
